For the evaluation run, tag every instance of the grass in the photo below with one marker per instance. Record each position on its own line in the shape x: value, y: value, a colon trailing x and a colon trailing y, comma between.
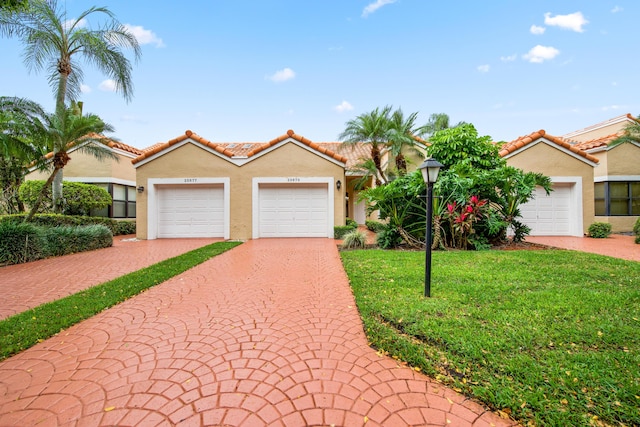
x: 547, y: 337
x: 19, y: 332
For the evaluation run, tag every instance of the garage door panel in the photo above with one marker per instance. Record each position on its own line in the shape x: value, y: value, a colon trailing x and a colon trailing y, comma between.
x: 293, y: 211
x: 550, y: 215
x: 191, y: 211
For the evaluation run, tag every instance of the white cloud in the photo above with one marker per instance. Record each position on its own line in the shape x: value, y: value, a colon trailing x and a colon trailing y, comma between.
x: 573, y: 21
x: 610, y: 107
x: 144, y: 36
x: 372, y: 7
x: 107, y: 86
x: 484, y: 68
x: 509, y: 58
x: 282, y: 75
x: 537, y: 30
x: 343, y: 106
x: 616, y: 9
x: 539, y: 54
x: 85, y: 88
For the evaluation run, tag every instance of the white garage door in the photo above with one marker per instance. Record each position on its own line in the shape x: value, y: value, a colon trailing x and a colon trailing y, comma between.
x: 190, y: 211
x: 550, y: 215
x: 293, y: 210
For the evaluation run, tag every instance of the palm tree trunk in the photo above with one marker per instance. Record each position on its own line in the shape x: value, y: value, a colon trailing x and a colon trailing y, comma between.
x: 40, y: 198
x: 64, y: 69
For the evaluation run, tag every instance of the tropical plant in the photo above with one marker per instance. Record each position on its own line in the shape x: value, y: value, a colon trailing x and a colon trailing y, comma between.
x: 461, y: 145
x: 57, y: 133
x: 355, y: 239
x: 631, y: 133
x: 54, y: 42
x: 402, y: 137
x: 11, y: 176
x: 462, y: 218
x: 370, y: 128
x: 599, y: 230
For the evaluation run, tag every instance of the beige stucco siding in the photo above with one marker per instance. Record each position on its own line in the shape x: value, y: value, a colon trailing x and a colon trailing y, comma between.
x: 83, y: 165
x: 599, y: 132
x: 553, y: 162
x: 623, y: 159
x: 192, y: 161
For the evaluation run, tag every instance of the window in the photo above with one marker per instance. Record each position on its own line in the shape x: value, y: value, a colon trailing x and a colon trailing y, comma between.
x: 124, y: 202
x: 617, y: 198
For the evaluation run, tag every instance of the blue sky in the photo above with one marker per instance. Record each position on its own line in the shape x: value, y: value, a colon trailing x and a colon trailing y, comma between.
x: 249, y: 70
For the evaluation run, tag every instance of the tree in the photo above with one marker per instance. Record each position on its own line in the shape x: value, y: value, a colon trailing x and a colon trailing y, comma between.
x: 9, y: 6
x: 56, y: 133
x: 370, y: 128
x: 54, y: 42
x: 631, y: 134
x: 461, y: 145
x: 402, y: 136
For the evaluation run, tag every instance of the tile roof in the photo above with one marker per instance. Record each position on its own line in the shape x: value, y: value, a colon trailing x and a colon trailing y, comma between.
x: 109, y: 142
x: 354, y: 153
x: 614, y: 120
x: 238, y: 150
x: 511, y: 147
x: 598, y: 142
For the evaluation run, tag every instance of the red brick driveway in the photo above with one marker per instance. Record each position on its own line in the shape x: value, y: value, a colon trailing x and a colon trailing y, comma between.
x: 265, y: 334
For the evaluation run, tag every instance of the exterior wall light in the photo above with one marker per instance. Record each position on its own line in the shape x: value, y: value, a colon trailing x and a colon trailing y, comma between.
x: 339, y: 184
x: 141, y: 189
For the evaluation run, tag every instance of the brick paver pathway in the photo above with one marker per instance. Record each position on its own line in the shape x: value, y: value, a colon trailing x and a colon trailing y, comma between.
x: 265, y: 334
x: 616, y: 245
x: 25, y: 286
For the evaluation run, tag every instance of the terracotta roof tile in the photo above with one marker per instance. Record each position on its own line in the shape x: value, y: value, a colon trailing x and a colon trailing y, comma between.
x: 235, y: 149
x: 523, y: 141
x: 598, y: 142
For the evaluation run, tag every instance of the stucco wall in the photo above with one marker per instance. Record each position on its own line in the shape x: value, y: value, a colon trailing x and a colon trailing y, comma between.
x: 553, y: 162
x: 85, y: 165
x: 600, y: 132
x: 192, y: 161
x: 623, y: 159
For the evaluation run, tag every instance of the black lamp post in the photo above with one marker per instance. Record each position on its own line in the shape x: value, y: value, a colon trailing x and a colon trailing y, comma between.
x: 429, y: 169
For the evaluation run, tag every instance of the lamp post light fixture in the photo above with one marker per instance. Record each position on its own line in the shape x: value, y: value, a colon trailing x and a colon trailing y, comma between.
x: 430, y: 169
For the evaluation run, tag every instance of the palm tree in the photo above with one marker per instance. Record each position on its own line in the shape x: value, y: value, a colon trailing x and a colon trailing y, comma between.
x: 631, y: 134
x: 402, y: 136
x: 37, y: 131
x: 370, y: 128
x: 54, y: 42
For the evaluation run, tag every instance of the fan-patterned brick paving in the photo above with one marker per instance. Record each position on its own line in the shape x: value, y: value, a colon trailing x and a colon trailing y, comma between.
x: 265, y: 334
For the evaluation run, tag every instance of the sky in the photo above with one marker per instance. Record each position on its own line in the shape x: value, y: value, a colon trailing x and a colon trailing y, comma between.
x: 249, y: 70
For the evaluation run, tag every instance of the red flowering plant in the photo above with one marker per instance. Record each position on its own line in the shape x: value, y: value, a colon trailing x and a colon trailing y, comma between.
x: 462, y: 217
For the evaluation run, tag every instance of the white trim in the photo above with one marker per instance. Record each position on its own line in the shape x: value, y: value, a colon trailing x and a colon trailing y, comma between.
x: 237, y: 160
x: 552, y: 145
x: 255, y: 198
x: 576, y: 228
x: 100, y: 180
x: 616, y: 178
x: 152, y: 200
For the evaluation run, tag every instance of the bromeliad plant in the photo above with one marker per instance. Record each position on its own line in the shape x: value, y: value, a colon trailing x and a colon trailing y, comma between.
x: 462, y: 218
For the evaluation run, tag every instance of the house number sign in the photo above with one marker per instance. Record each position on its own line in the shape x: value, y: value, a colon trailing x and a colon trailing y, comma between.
x: 191, y: 180
x: 293, y: 179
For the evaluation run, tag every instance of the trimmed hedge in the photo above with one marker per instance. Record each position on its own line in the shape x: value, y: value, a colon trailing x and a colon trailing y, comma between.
x: 636, y: 230
x: 117, y: 228
x: 25, y: 242
x: 21, y: 243
x: 375, y: 226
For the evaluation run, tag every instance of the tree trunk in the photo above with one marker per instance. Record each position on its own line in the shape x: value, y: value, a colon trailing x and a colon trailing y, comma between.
x: 38, y: 202
x: 64, y: 69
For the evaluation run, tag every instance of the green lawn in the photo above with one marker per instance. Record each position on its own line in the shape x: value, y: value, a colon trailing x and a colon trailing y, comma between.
x: 549, y: 337
x: 19, y: 332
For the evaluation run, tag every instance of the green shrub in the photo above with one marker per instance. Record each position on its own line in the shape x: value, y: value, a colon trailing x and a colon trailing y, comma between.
x: 124, y: 227
x: 599, y: 230
x: 54, y: 220
x: 636, y: 228
x: 638, y: 239
x: 20, y: 243
x: 388, y: 238
x: 79, y: 198
x: 351, y: 223
x: 68, y: 239
x: 374, y: 226
x: 354, y: 240
x: 339, y: 231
